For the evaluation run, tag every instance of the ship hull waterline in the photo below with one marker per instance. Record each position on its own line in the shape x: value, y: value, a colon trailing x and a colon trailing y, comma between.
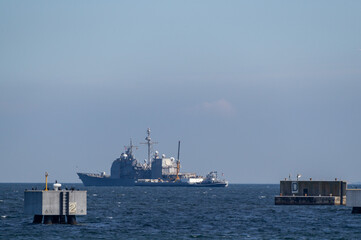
x: 104, y: 181
x: 108, y: 181
x: 175, y: 184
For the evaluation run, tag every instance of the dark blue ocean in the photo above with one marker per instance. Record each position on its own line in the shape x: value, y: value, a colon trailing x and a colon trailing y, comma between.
x: 237, y: 212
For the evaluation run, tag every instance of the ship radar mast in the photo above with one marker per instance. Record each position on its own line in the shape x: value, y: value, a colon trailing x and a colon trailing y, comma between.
x: 149, y: 143
x: 130, y: 147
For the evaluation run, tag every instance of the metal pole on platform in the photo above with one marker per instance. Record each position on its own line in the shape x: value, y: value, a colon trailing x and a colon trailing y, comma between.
x: 46, y: 181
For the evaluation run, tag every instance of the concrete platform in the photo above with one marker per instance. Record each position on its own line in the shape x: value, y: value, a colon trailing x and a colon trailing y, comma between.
x: 62, y: 202
x: 312, y: 192
x: 354, y: 200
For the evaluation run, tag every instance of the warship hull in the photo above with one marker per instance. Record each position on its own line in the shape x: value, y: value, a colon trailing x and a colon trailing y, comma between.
x: 91, y: 180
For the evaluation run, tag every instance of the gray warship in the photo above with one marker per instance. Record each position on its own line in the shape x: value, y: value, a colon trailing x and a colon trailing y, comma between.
x: 155, y: 171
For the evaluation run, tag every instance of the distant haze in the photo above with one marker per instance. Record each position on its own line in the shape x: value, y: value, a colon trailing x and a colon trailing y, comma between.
x: 256, y: 90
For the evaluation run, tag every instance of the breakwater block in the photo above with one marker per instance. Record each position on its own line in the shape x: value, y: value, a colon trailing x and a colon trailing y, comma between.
x: 354, y: 200
x: 312, y: 192
x: 55, y: 206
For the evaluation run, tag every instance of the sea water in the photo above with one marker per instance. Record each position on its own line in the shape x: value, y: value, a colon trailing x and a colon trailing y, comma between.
x: 241, y: 211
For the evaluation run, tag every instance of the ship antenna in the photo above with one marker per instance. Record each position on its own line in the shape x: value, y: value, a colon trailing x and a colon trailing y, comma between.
x: 131, y: 146
x: 149, y: 143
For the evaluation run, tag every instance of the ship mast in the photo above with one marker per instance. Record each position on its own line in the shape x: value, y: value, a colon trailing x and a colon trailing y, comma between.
x: 149, y: 143
x: 130, y: 147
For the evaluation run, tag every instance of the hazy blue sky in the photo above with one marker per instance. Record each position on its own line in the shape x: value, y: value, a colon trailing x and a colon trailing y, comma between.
x: 253, y: 89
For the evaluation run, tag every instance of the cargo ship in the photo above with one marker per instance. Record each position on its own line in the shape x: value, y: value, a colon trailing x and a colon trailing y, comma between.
x: 155, y: 171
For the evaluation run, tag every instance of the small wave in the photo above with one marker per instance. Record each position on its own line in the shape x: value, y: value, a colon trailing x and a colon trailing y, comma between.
x: 262, y: 197
x: 94, y: 195
x: 110, y: 217
x: 1, y: 200
x: 4, y: 216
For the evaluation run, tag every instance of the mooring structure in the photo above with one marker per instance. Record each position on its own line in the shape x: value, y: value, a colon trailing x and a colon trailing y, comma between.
x: 56, y: 205
x: 354, y: 200
x: 312, y: 192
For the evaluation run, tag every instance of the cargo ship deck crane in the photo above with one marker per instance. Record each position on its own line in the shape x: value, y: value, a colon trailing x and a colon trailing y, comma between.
x: 178, y: 163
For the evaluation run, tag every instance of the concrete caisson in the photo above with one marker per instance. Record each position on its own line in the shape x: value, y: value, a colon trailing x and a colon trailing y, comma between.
x: 354, y: 200
x: 312, y: 193
x: 53, y: 206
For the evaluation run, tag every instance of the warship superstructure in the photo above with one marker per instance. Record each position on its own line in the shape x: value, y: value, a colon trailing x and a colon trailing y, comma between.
x: 155, y: 171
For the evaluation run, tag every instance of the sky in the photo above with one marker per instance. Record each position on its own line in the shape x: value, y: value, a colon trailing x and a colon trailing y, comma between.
x: 256, y: 90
